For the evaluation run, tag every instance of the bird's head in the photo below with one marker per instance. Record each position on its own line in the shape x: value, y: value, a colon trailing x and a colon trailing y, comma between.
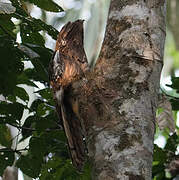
x: 71, y: 35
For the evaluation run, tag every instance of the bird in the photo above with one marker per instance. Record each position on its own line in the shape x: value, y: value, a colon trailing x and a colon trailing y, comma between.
x: 68, y: 64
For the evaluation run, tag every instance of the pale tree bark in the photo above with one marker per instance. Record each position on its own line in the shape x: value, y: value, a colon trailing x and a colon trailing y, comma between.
x: 118, y: 100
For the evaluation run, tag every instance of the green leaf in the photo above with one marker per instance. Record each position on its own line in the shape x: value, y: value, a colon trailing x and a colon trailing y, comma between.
x: 6, y: 159
x: 10, y: 65
x: 19, y: 8
x: 38, y: 73
x: 47, y: 5
x: 46, y: 94
x: 45, y: 54
x: 28, y: 126
x: 35, y: 104
x: 6, y: 8
x: 29, y: 165
x: 21, y: 93
x: 33, y: 75
x: 159, y: 155
x: 37, y: 147
x: 43, y: 109
x: 7, y: 26
x: 58, y: 168
x: 43, y: 26
x: 160, y: 175
x: 56, y: 143
x: 87, y: 172
x: 175, y: 83
x: 175, y: 104
x: 13, y: 111
x: 36, y: 25
x: 30, y: 35
x: 24, y: 79
x: 5, y: 136
x: 43, y: 124
x: 172, y: 143
x: 40, y: 69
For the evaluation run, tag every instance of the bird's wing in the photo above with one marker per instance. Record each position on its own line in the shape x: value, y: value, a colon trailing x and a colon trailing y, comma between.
x: 62, y: 71
x: 74, y: 133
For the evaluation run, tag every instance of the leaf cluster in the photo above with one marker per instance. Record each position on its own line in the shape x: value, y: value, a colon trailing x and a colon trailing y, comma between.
x: 46, y: 156
x: 163, y: 158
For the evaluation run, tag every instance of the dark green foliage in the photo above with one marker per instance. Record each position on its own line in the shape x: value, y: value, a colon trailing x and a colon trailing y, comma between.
x: 11, y: 112
x: 63, y: 170
x: 175, y: 103
x: 5, y: 136
x: 47, y: 154
x: 162, y: 157
x: 6, y: 158
x: 30, y: 35
x: 7, y: 25
x: 10, y: 64
x: 173, y: 99
x: 47, y: 5
x: 30, y: 165
x: 175, y: 83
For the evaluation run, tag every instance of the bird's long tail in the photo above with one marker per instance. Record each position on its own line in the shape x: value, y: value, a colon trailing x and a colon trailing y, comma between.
x: 73, y: 130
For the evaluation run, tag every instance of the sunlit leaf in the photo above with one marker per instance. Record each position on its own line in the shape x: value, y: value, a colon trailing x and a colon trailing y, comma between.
x: 47, y: 5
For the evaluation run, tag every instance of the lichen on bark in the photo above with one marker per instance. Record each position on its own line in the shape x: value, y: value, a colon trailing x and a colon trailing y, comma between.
x: 118, y: 98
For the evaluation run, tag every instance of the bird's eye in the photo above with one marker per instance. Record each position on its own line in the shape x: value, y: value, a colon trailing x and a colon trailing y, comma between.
x: 63, y: 42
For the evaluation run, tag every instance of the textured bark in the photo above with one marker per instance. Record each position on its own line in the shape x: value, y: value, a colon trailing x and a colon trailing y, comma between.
x: 118, y: 100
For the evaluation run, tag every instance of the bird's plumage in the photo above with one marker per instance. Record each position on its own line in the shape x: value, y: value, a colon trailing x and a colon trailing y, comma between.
x: 67, y: 65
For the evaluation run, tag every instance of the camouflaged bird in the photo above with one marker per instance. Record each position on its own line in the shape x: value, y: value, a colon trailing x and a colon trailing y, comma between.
x: 68, y: 64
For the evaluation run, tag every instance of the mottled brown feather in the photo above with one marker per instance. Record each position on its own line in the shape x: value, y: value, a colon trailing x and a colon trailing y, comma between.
x: 71, y: 64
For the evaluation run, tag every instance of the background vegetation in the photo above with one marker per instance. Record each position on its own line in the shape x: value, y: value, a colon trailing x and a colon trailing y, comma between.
x: 30, y: 137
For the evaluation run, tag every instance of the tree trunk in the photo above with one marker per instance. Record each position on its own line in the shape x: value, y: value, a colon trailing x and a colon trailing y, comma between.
x: 118, y: 99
